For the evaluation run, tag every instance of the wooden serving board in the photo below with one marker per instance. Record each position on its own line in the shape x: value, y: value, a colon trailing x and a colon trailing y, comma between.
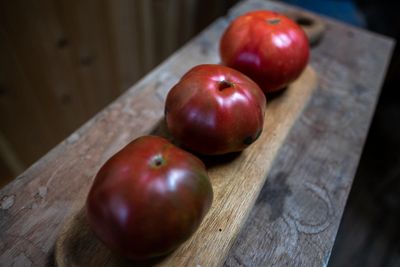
x: 236, y: 179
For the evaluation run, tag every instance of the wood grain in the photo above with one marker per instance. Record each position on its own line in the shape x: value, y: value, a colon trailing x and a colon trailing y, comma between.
x: 35, y: 205
x: 236, y: 181
x: 62, y: 61
x: 295, y: 219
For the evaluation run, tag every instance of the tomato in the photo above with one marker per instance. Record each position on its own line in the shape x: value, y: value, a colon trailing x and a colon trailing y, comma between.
x: 214, y: 109
x: 266, y: 46
x: 148, y: 198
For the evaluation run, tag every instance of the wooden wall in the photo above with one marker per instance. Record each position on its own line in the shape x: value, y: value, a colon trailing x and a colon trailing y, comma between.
x: 62, y: 61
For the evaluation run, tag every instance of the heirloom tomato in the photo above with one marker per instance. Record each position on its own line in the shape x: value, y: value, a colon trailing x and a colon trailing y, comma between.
x: 266, y: 46
x: 148, y: 198
x: 214, y: 109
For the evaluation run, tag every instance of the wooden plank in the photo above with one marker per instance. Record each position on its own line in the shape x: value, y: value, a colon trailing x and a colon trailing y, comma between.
x: 10, y: 165
x: 55, y: 187
x: 70, y: 59
x: 145, y: 15
x: 7, y: 174
x: 42, y: 91
x: 166, y: 27
x: 368, y: 234
x: 297, y: 215
x: 34, y: 206
x: 10, y: 159
x: 236, y: 182
x: 124, y: 32
x: 186, y: 21
x: 85, y: 24
x: 55, y: 88
x: 18, y: 102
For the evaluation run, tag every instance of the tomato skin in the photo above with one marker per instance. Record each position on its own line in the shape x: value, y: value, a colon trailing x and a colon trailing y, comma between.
x: 266, y: 46
x: 214, y: 110
x: 148, y: 198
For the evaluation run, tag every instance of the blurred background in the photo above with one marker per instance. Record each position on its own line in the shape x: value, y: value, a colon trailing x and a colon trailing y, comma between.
x: 63, y: 61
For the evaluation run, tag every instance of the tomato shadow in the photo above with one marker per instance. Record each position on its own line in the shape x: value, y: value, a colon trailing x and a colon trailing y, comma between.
x: 218, y: 160
x: 143, y: 263
x: 161, y: 129
x: 276, y: 95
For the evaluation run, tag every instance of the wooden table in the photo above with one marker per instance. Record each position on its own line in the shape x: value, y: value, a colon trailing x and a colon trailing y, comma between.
x: 296, y: 216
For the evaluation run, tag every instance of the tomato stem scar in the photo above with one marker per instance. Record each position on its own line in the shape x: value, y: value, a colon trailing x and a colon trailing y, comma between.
x: 224, y: 85
x: 274, y: 21
x: 157, y: 161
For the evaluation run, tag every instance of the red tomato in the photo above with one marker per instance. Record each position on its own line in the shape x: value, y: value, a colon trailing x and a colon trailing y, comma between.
x: 214, y: 109
x: 266, y: 46
x: 148, y: 198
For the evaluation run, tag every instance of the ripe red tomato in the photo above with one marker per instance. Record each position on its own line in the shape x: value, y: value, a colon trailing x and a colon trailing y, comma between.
x: 148, y: 198
x: 214, y: 109
x: 266, y: 46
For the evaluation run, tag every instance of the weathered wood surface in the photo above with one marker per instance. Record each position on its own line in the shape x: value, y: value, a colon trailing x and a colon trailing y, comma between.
x: 296, y: 217
x: 236, y: 180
